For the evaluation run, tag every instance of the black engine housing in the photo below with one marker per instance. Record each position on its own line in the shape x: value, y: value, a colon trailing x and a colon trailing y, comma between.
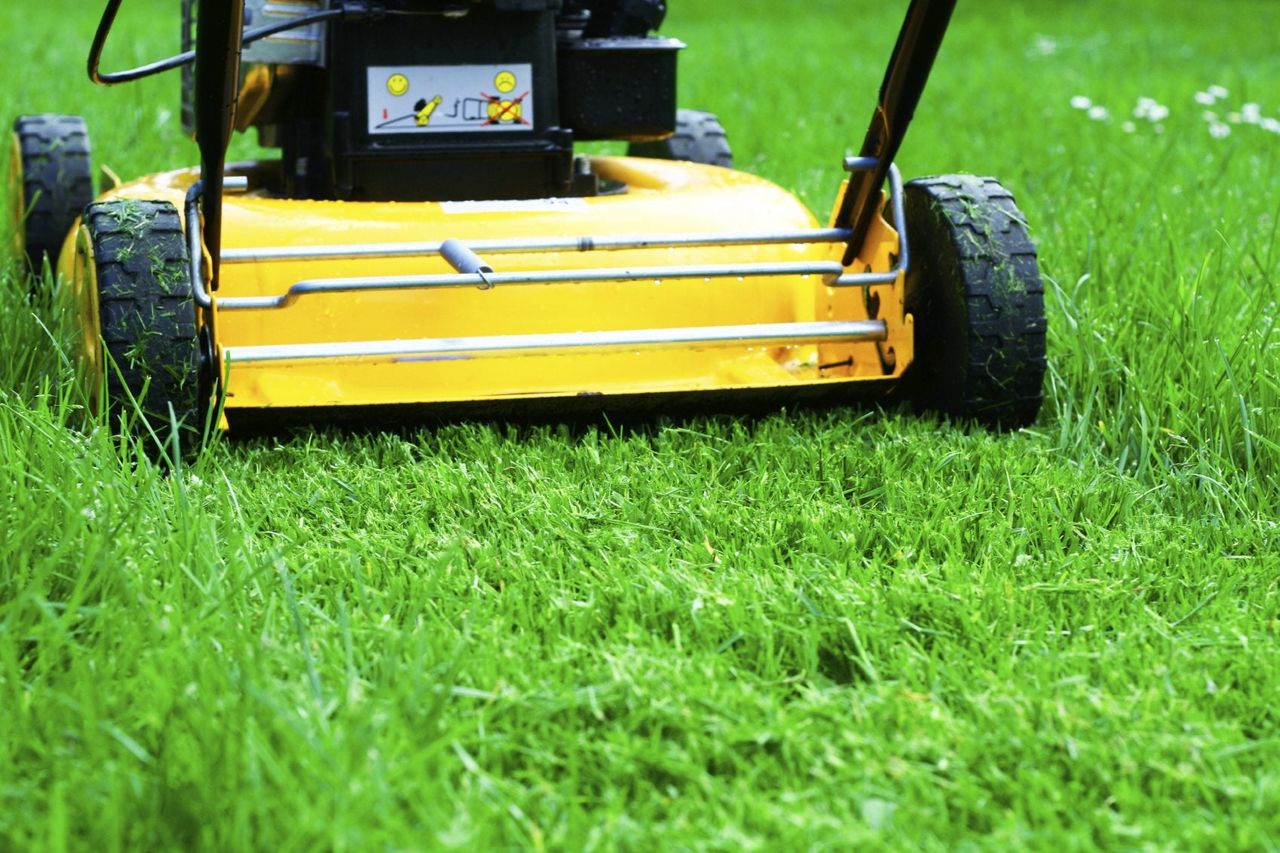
x: 596, y: 73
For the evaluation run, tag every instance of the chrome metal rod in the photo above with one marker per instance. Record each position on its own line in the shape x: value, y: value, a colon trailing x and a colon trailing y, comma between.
x: 440, y: 348
x: 899, y: 225
x: 195, y: 246
x: 860, y: 164
x: 461, y: 257
x: 863, y: 279
x: 827, y: 269
x: 535, y: 244
x: 899, y: 217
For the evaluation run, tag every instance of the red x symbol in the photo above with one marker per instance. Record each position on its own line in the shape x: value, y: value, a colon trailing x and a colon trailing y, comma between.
x: 506, y: 110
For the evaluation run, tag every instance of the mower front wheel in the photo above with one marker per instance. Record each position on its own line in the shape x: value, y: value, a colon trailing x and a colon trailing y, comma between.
x: 699, y: 138
x: 975, y: 291
x: 50, y: 182
x: 143, y: 343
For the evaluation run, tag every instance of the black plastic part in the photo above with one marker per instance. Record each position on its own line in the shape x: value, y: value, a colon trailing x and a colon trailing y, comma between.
x: 974, y: 288
x: 614, y: 88
x: 530, y: 163
x: 699, y: 138
x: 57, y: 180
x: 619, y: 88
x: 611, y: 18
x: 147, y: 320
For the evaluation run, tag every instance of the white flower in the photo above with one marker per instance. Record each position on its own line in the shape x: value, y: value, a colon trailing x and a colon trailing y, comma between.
x: 1209, y: 116
x: 1151, y: 110
x: 1205, y: 99
x: 1251, y: 113
x: 1080, y: 102
x: 1270, y: 124
x: 1218, y: 92
x: 1128, y: 127
x: 1218, y: 130
x: 1099, y: 113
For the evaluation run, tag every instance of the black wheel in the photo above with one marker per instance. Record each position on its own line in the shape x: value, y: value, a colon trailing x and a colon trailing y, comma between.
x: 51, y: 181
x: 699, y: 138
x: 974, y: 288
x: 133, y: 277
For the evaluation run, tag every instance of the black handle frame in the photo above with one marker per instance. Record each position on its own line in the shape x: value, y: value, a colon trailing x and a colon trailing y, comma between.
x: 219, y: 31
x: 913, y: 56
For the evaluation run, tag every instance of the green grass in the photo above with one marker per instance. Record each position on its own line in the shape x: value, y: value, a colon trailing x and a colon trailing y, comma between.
x: 811, y: 629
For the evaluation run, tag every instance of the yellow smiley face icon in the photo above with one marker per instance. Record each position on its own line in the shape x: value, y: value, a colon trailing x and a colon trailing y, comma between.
x: 397, y: 84
x: 505, y: 81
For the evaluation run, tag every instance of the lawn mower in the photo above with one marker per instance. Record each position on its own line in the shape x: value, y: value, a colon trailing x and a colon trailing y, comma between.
x: 428, y: 236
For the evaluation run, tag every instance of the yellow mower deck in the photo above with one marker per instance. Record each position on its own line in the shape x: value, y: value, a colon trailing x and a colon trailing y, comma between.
x: 389, y: 321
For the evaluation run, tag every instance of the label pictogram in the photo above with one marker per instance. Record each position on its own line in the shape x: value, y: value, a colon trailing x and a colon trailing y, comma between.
x: 450, y: 99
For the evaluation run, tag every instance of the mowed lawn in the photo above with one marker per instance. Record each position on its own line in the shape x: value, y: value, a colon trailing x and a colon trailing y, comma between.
x: 811, y: 629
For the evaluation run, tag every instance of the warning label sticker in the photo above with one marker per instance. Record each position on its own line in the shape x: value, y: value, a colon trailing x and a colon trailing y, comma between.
x: 450, y: 98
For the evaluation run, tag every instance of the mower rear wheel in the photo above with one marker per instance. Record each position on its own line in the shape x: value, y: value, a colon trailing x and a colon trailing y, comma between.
x: 150, y: 350
x: 51, y: 181
x: 699, y: 138
x: 974, y: 289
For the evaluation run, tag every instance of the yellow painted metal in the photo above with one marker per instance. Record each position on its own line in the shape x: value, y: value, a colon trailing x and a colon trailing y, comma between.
x: 78, y: 269
x: 661, y: 196
x: 255, y: 91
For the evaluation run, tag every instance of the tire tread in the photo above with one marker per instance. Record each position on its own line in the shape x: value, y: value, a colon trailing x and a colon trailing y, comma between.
x: 57, y: 179
x: 967, y: 233
x: 147, y: 312
x: 698, y: 138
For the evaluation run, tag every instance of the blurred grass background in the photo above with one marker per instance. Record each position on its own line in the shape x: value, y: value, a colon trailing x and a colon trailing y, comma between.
x: 812, y: 629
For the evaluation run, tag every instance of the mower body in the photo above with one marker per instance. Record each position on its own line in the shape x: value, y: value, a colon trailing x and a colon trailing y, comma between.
x: 402, y: 327
x: 429, y: 237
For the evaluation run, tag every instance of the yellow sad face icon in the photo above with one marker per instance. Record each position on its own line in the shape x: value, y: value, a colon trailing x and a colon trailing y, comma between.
x: 505, y: 81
